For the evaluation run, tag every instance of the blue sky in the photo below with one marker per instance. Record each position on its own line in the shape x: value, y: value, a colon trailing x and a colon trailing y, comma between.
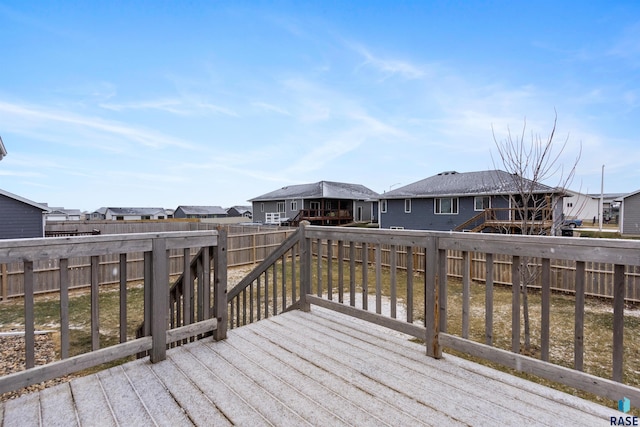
x: 157, y: 103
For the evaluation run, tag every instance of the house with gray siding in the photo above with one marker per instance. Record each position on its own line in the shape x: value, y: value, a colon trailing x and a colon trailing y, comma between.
x: 128, y: 214
x: 20, y: 217
x: 485, y: 201
x: 200, y: 212
x: 630, y: 214
x: 243, y: 211
x: 320, y: 203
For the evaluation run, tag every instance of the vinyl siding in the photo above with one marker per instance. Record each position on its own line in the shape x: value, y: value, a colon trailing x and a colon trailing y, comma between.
x: 19, y: 220
x: 631, y: 215
x: 422, y: 216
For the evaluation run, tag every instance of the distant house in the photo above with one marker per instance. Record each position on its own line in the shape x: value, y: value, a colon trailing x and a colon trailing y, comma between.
x: 62, y: 214
x: 124, y: 214
x: 322, y: 203
x: 630, y: 214
x: 581, y: 206
x: 20, y: 217
x: 243, y: 211
x: 484, y: 201
x: 200, y: 212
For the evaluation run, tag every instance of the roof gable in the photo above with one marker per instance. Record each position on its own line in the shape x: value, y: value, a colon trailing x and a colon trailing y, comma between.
x: 320, y: 190
x: 493, y: 182
x: 23, y: 200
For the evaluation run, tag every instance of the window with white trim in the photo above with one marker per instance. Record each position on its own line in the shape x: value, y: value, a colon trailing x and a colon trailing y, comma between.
x: 294, y: 205
x: 383, y: 206
x: 446, y: 206
x: 407, y: 205
x: 261, y: 207
x: 481, y: 203
x: 280, y: 207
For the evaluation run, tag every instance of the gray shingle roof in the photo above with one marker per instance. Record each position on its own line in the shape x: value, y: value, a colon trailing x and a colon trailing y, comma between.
x: 203, y: 210
x: 494, y: 182
x: 322, y: 189
x: 136, y: 211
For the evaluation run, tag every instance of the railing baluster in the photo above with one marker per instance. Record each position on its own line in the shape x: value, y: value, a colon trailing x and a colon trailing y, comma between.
x: 251, y: 307
x: 618, y: 322
x: 266, y: 294
x: 187, y: 288
x: 515, y: 304
x: 393, y: 266
x: 206, y: 284
x: 378, y: 257
x: 95, y: 297
x: 284, y: 282
x: 365, y: 277
x: 330, y: 269
x: 258, y: 299
x: 442, y: 289
x: 409, y: 284
x: 123, y: 296
x: 578, y: 345
x: 466, y: 292
x: 160, y: 299
x: 319, y: 267
x: 64, y: 308
x: 274, y: 284
x: 146, y: 330
x: 29, y: 317
x: 340, y: 271
x: 352, y: 273
x: 294, y: 282
x: 488, y: 300
x: 244, y: 306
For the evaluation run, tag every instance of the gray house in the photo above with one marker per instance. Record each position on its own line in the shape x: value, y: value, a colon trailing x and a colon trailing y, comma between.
x: 243, y: 211
x: 630, y: 214
x: 485, y: 201
x: 321, y: 203
x: 125, y: 214
x: 20, y: 217
x: 200, y: 212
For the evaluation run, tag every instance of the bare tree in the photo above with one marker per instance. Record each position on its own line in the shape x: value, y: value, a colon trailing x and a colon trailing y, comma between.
x: 532, y: 161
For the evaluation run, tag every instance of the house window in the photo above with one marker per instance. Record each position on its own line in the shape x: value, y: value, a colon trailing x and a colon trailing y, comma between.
x: 407, y: 205
x: 294, y: 205
x: 481, y: 203
x: 383, y: 206
x: 261, y: 207
x: 281, y: 207
x: 569, y: 205
x: 145, y: 217
x: 446, y: 205
x: 119, y: 218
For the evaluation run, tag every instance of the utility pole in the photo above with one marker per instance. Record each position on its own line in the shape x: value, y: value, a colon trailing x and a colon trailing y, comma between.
x: 601, y: 199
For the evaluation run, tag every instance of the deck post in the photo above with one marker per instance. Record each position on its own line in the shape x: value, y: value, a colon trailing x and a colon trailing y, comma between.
x: 305, y: 267
x: 220, y: 286
x: 432, y: 303
x: 159, y: 299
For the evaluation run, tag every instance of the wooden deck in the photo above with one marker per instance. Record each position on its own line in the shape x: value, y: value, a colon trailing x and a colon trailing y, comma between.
x: 317, y: 368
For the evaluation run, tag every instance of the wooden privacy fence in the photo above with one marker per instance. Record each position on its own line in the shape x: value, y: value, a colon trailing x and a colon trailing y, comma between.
x: 246, y: 245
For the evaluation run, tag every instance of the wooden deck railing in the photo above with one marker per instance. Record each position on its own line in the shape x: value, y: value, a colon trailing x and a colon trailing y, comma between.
x: 343, y: 270
x: 210, y: 311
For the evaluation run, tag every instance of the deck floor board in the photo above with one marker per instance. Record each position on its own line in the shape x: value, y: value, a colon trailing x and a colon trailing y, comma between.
x: 316, y: 368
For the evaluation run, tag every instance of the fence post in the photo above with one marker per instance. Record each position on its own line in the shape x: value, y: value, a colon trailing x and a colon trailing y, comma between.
x: 305, y: 267
x: 159, y: 299
x: 432, y: 303
x: 220, y: 286
x: 4, y: 287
